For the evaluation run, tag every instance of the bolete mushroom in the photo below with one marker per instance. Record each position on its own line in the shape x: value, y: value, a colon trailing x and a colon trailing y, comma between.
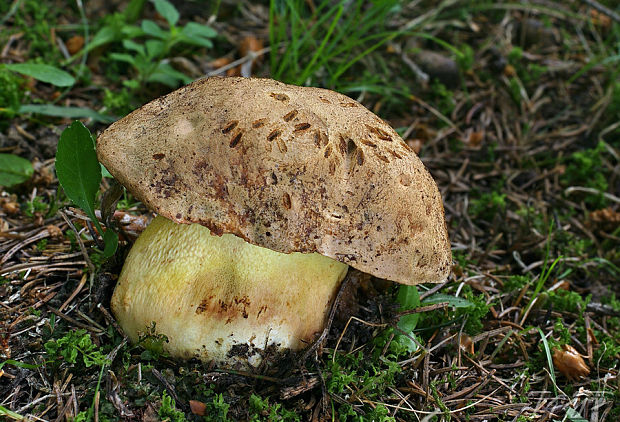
x: 266, y: 193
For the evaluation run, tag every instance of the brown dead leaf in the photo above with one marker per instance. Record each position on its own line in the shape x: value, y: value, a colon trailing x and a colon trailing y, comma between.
x: 509, y: 71
x: 9, y: 206
x: 220, y: 62
x: 415, y: 144
x: 467, y: 344
x: 600, y: 19
x: 235, y: 71
x: 475, y: 138
x: 223, y: 61
x: 55, y: 232
x: 75, y: 44
x: 248, y: 44
x: 198, y: 407
x: 606, y: 215
x: 570, y: 362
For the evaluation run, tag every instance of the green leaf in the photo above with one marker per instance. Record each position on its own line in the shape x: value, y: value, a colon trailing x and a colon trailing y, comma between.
x: 131, y: 31
x: 194, y: 29
x: 133, y: 10
x: 43, y: 73
x: 408, y: 298
x: 77, y: 167
x: 134, y: 46
x: 14, y: 170
x: 79, y: 174
x: 123, y: 57
x: 573, y: 416
x: 197, y: 41
x: 105, y: 35
x: 167, y: 75
x: 110, y: 239
x: 168, y: 11
x: 151, y: 28
x: 457, y: 302
x: 67, y: 112
x: 19, y: 364
x: 154, y: 48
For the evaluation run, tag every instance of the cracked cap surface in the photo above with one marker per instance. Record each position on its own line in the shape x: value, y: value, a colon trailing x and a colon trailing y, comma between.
x: 293, y: 169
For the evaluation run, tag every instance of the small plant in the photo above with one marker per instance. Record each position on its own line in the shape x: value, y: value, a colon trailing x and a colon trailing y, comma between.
x: 260, y: 410
x: 466, y: 57
x: 36, y: 205
x: 402, y: 339
x: 153, y: 344
x: 468, y: 306
x: 73, y: 345
x: 218, y: 409
x: 322, y: 43
x: 567, y: 301
x: 168, y: 411
x: 36, y: 20
x: 79, y: 174
x: 149, y: 45
x: 444, y: 98
x: 118, y: 102
x: 474, y: 313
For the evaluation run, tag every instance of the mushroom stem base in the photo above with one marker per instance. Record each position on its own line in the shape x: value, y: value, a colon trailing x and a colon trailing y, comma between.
x: 221, y: 298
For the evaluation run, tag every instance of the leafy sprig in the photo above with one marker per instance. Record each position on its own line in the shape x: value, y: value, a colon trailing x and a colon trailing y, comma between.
x: 79, y: 174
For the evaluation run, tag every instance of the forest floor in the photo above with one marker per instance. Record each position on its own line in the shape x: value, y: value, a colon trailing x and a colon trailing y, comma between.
x: 514, y: 107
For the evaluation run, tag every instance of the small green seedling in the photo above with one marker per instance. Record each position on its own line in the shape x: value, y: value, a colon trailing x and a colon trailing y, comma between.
x: 79, y: 174
x: 73, y: 345
x: 147, y: 55
x: 168, y: 411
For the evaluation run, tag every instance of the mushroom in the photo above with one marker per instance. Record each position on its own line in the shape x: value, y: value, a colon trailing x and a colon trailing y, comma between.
x: 266, y: 193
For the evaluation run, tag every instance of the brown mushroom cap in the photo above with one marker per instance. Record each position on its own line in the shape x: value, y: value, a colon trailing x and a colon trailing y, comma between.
x: 289, y: 168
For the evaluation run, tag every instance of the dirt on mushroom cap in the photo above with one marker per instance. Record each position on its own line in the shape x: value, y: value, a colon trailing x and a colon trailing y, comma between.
x: 293, y: 169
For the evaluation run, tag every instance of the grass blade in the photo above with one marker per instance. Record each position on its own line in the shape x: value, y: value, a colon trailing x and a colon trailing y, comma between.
x: 549, y: 360
x: 318, y: 53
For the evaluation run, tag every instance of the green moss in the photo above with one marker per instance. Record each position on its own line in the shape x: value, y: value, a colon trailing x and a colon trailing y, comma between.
x: 516, y: 283
x: 474, y: 314
x: 262, y: 410
x: 168, y: 411
x: 35, y: 20
x: 443, y: 98
x: 118, y: 102
x: 486, y: 205
x: 567, y: 301
x: 585, y: 168
x: 11, y: 95
x: 357, y: 374
x: 561, y: 330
